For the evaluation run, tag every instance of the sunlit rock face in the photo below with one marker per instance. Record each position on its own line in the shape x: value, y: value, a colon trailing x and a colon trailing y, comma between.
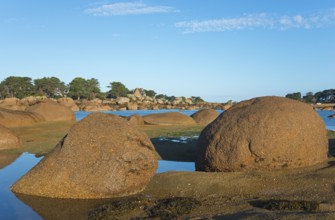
x: 264, y: 133
x: 8, y: 140
x: 102, y: 156
x: 52, y: 111
x: 15, y: 118
x: 205, y: 116
x: 169, y: 118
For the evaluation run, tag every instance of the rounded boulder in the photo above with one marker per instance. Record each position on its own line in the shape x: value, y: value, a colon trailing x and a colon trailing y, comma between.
x: 265, y: 133
x: 205, y: 116
x: 16, y: 118
x: 102, y: 156
x: 52, y: 111
x: 8, y: 140
x: 169, y: 118
x: 68, y: 102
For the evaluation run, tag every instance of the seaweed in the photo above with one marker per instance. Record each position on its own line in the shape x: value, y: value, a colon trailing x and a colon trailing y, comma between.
x: 294, y: 205
x: 137, y: 208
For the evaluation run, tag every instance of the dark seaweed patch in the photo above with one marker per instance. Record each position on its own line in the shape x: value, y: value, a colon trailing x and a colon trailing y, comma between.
x: 280, y: 205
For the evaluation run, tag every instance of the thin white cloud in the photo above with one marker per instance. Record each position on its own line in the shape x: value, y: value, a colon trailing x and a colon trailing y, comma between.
x: 262, y: 20
x: 127, y: 8
x: 225, y: 24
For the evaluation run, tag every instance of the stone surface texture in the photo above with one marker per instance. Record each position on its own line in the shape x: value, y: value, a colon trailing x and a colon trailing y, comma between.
x: 265, y: 133
x: 8, y: 140
x: 52, y: 111
x: 102, y: 156
x: 169, y: 118
x: 205, y: 116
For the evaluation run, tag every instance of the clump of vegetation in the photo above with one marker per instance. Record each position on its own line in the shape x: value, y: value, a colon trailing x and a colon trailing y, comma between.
x: 172, y: 208
x: 325, y: 96
x: 331, y: 134
x: 173, y: 131
x: 145, y: 208
x: 118, y: 208
x: 280, y: 205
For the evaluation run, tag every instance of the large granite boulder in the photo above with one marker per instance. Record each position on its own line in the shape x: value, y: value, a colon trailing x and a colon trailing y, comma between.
x: 102, y: 156
x: 205, y: 116
x: 169, y: 118
x: 52, y: 111
x: 12, y: 104
x: 8, y: 140
x: 263, y: 133
x: 68, y: 102
x: 132, y: 106
x: 13, y: 118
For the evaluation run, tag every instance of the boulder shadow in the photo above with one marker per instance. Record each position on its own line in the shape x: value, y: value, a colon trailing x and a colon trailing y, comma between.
x: 174, y: 149
x: 65, y: 209
x: 133, y: 207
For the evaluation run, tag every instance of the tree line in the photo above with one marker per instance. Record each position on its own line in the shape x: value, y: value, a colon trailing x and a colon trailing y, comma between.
x: 78, y: 88
x: 325, y: 96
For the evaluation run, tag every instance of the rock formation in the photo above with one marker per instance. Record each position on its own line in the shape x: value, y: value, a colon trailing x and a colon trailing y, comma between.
x: 12, y: 118
x: 12, y: 104
x: 170, y: 118
x: 68, y: 102
x: 52, y: 111
x: 8, y: 140
x: 102, y: 156
x: 205, y: 116
x: 263, y: 133
x: 136, y: 119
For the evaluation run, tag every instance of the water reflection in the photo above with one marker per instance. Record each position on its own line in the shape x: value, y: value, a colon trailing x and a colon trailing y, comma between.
x: 7, y: 158
x: 10, y: 206
x: 63, y: 209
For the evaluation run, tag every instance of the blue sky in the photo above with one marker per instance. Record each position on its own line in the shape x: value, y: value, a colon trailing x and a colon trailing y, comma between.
x: 216, y: 49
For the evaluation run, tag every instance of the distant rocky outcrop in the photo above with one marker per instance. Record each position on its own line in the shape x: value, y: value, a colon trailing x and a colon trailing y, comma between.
x: 12, y: 104
x: 8, y: 140
x: 32, y: 100
x: 131, y: 102
x: 68, y: 102
x: 205, y: 116
x: 93, y: 105
x: 12, y: 118
x: 102, y: 156
x: 132, y: 106
x: 52, y: 111
x: 170, y: 118
x: 263, y: 133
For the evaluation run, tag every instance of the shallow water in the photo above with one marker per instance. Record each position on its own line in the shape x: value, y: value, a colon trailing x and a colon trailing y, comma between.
x: 81, y: 114
x: 329, y: 122
x: 13, y: 208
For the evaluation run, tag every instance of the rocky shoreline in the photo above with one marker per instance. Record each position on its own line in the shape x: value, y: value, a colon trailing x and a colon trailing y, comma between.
x: 122, y: 103
x: 268, y: 174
